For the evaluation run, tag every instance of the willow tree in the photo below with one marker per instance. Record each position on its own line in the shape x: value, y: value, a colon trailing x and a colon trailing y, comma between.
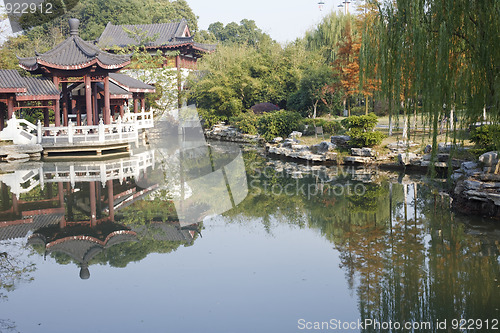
x: 328, y: 35
x: 435, y: 55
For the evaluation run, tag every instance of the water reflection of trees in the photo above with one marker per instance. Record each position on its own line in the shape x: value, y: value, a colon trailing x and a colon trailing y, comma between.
x: 404, y: 253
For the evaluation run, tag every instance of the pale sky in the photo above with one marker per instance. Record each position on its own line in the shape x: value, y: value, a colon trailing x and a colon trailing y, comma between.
x: 283, y: 20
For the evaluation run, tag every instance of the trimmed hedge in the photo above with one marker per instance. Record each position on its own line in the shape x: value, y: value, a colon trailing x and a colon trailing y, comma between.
x: 361, y: 130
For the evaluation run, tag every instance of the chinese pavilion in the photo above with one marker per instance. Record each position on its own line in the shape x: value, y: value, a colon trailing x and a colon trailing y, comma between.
x: 80, y: 83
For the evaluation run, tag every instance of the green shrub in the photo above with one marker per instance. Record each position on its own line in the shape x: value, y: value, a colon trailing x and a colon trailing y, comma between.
x: 280, y: 123
x: 364, y: 122
x: 365, y: 139
x: 361, y: 130
x: 246, y: 122
x: 486, y: 136
x: 332, y: 127
x: 209, y: 118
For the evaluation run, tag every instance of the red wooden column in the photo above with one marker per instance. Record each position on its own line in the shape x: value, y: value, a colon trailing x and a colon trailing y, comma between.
x: 60, y: 193
x: 15, y: 204
x: 143, y: 103
x: 65, y: 102
x: 111, y: 201
x: 93, y: 209
x: 107, y: 109
x: 136, y: 105
x: 2, y: 116
x: 95, y: 105
x: 57, y: 109
x: 10, y: 106
x: 46, y: 121
x: 88, y: 100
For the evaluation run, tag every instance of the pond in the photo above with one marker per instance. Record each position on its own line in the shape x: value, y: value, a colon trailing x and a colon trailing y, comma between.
x: 197, y: 237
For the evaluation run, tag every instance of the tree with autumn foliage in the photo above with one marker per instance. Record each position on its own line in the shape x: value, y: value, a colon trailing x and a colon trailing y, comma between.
x: 346, y: 67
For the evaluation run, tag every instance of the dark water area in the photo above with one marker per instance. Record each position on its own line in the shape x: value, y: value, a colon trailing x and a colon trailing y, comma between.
x: 216, y: 238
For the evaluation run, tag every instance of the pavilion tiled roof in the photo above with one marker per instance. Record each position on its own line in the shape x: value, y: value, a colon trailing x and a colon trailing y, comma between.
x: 158, y: 35
x: 115, y: 90
x: 130, y: 84
x: 75, y: 53
x: 24, y: 87
x: 11, y: 81
x: 39, y: 86
x: 20, y: 230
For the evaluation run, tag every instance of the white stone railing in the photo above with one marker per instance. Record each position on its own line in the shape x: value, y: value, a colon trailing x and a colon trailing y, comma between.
x: 118, y: 131
x: 98, y: 171
x: 143, y: 119
x: 20, y: 131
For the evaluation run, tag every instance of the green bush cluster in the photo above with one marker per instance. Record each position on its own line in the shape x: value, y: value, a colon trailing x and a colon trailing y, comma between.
x: 486, y: 136
x: 246, y: 122
x: 361, y: 130
x: 209, y: 119
x: 280, y: 123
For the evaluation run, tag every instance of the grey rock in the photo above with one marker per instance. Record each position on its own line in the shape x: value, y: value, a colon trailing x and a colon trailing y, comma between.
x: 277, y: 139
x: 323, y: 147
x: 357, y: 159
x: 489, y: 158
x: 469, y: 165
x: 489, y: 169
x: 443, y: 157
x: 340, y: 140
x: 472, y: 184
x: 441, y: 165
x: 365, y: 152
x: 405, y: 158
x: 295, y: 135
x: 17, y: 157
x: 428, y: 149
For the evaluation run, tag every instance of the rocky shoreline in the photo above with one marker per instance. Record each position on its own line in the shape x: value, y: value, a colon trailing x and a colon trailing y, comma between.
x: 476, y: 189
x: 20, y: 153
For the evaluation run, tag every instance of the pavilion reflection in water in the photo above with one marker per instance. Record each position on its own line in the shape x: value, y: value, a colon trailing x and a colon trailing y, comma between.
x: 69, y: 208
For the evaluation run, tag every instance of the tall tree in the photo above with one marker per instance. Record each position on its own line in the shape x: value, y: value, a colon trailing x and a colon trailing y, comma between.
x: 448, y: 49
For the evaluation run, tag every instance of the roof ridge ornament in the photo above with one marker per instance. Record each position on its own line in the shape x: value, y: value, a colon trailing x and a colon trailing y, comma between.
x: 74, y: 23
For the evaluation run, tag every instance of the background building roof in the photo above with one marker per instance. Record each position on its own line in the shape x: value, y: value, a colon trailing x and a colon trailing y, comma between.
x: 75, y: 53
x: 159, y: 35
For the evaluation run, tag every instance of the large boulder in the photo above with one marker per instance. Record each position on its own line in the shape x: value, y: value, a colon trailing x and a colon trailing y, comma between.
x: 406, y: 158
x: 489, y: 159
x: 365, y: 152
x: 340, y: 140
x: 323, y: 147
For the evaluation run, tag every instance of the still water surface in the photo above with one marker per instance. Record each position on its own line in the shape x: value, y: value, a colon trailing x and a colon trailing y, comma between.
x: 216, y: 239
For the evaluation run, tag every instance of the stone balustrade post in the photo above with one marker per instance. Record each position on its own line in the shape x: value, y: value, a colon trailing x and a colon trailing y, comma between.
x: 70, y: 131
x: 39, y: 132
x: 101, y: 131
